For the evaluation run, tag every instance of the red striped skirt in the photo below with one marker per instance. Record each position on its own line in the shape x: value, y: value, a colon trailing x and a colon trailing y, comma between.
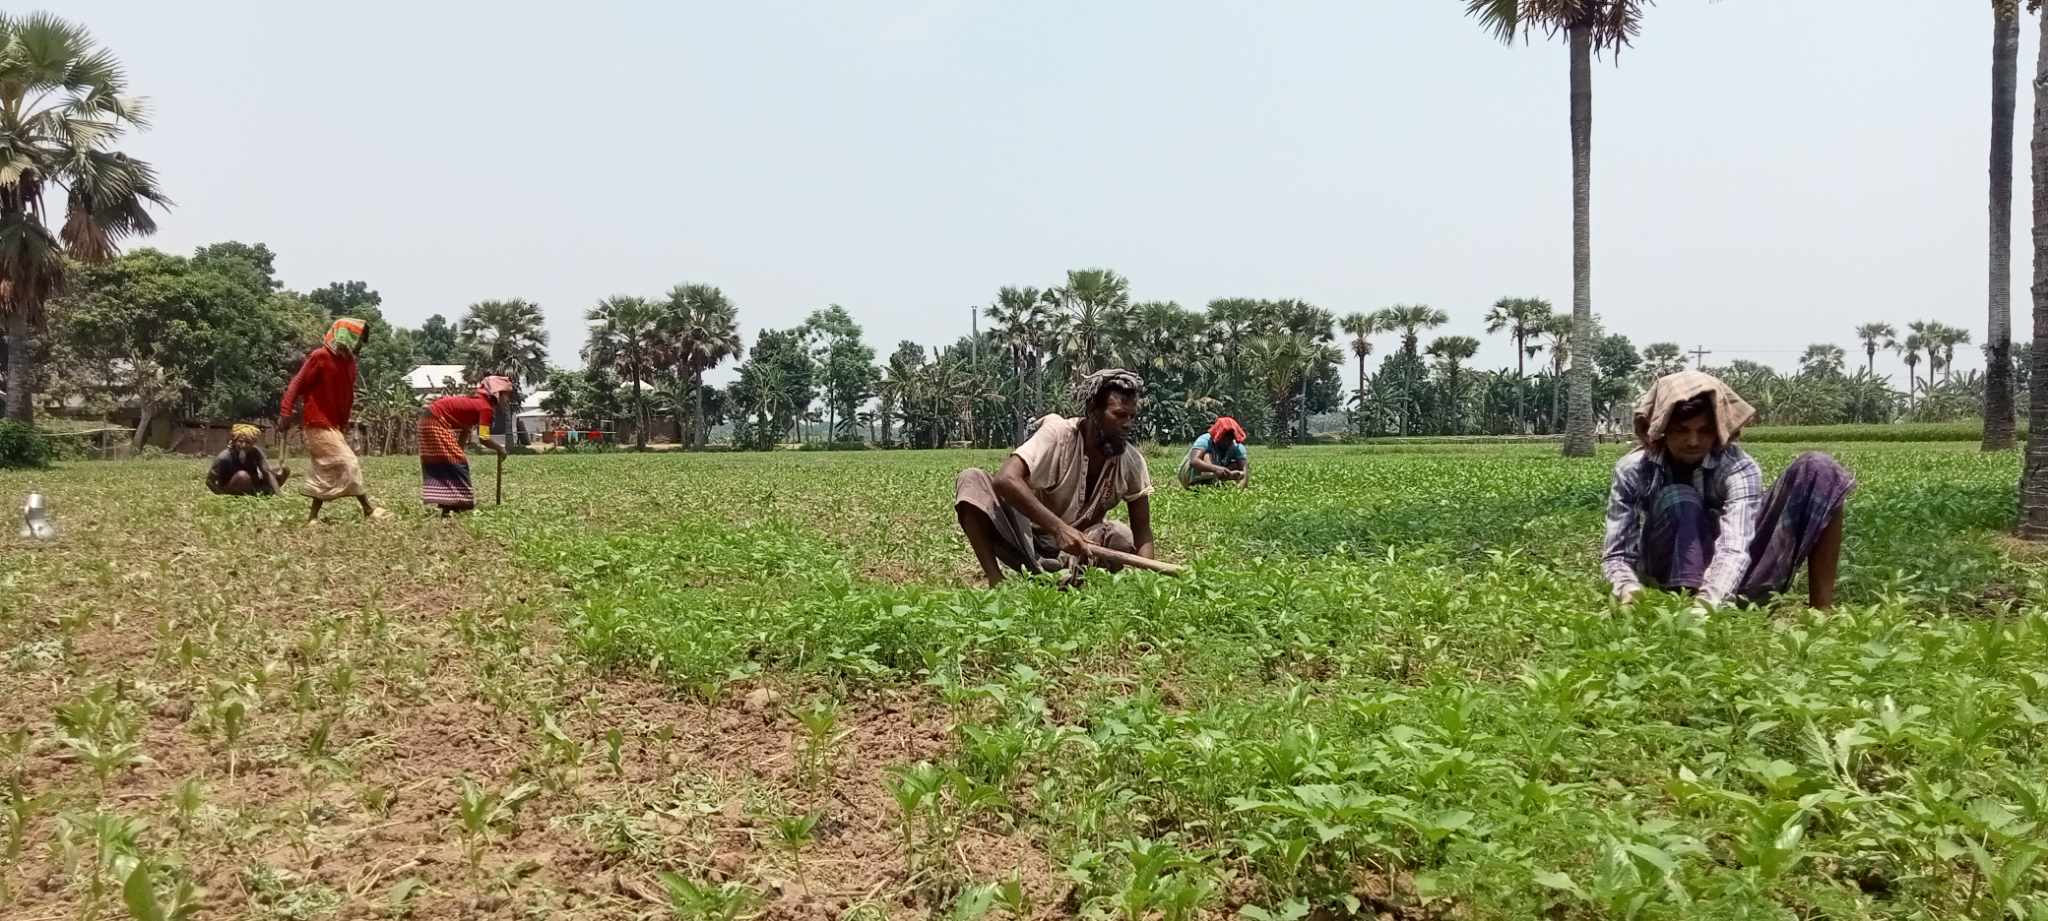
x: 444, y: 469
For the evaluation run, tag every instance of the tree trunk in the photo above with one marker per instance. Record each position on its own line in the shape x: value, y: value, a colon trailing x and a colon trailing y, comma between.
x: 143, y: 417
x: 21, y: 404
x: 1870, y: 360
x: 1578, y: 439
x: 639, y: 410
x: 2033, y: 524
x: 1521, y: 386
x: 697, y: 428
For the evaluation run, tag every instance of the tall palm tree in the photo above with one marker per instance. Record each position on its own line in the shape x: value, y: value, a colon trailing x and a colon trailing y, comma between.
x: 1451, y: 353
x: 2033, y: 523
x: 700, y: 329
x: 1559, y: 330
x: 2005, y: 65
x: 506, y: 337
x: 1276, y: 359
x: 1523, y: 318
x: 1589, y: 27
x: 1951, y: 337
x: 1022, y: 324
x: 63, y: 104
x: 1360, y: 327
x: 1909, y: 350
x: 1874, y: 336
x: 624, y: 335
x: 1095, y: 301
x: 1410, y: 320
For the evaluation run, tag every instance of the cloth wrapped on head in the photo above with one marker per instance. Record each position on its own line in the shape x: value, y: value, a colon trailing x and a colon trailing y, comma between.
x: 244, y: 434
x: 1092, y: 386
x: 1653, y: 408
x: 345, y: 335
x: 495, y: 385
x: 1226, y: 425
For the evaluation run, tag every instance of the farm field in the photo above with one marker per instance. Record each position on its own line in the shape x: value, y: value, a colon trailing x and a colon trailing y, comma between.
x: 728, y: 685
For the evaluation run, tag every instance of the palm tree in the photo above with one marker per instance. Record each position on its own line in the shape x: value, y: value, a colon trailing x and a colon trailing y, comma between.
x: 1094, y: 301
x: 1523, y: 318
x: 1451, y: 353
x: 1950, y: 338
x: 1559, y: 330
x: 63, y: 103
x: 2033, y: 523
x: 1822, y: 358
x: 624, y: 335
x: 505, y: 337
x: 1022, y: 323
x: 2005, y: 65
x: 1910, y: 349
x: 1589, y: 27
x: 699, y: 329
x: 1873, y: 336
x: 1277, y: 359
x: 1410, y: 320
x: 1360, y: 327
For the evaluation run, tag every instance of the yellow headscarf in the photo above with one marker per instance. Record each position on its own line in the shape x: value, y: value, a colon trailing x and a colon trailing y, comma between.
x: 244, y: 433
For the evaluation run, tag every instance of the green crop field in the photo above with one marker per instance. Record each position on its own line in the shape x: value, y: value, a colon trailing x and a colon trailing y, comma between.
x: 721, y: 686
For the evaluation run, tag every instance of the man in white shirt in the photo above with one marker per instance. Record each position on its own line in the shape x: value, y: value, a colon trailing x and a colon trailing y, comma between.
x: 1053, y: 494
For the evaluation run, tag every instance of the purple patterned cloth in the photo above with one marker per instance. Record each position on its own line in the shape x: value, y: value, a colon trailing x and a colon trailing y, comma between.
x: 1678, y: 537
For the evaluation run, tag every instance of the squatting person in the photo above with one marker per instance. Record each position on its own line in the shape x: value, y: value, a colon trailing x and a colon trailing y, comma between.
x: 1218, y: 455
x: 241, y: 469
x: 1052, y: 495
x: 1688, y: 511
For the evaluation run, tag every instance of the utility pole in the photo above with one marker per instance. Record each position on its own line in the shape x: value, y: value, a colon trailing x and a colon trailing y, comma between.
x: 1699, y: 356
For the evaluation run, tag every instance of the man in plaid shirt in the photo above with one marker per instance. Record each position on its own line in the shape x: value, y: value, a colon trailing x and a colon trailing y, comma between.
x: 1688, y: 511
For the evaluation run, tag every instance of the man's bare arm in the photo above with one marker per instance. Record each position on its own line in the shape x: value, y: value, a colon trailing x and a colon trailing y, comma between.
x: 1141, y: 526
x: 1014, y: 487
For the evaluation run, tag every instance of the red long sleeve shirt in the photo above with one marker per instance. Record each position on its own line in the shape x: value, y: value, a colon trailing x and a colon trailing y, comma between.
x: 327, y: 383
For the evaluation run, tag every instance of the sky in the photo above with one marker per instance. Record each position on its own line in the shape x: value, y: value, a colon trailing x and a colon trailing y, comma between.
x: 1766, y: 173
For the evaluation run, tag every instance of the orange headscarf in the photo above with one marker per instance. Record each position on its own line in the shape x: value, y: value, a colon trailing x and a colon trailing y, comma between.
x: 1225, y: 425
x: 345, y: 336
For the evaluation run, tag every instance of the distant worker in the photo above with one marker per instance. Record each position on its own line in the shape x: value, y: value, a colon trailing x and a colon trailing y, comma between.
x: 242, y: 470
x: 1217, y: 455
x: 1052, y: 495
x: 326, y: 384
x: 444, y: 425
x: 1688, y: 511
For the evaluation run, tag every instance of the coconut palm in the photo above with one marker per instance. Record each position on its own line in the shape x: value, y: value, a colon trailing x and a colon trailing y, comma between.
x: 1950, y: 338
x: 1589, y: 28
x: 64, y: 103
x: 624, y: 336
x: 1451, y: 353
x: 1360, y: 327
x: 2034, y: 474
x: 1874, y: 336
x: 1410, y: 320
x: 1523, y: 318
x: 1909, y: 350
x: 700, y: 329
x: 505, y: 337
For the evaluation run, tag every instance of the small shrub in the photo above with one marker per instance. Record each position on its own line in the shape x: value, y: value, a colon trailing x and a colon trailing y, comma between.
x: 22, y: 446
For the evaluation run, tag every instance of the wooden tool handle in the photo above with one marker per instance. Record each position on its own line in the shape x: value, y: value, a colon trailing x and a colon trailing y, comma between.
x: 1099, y: 552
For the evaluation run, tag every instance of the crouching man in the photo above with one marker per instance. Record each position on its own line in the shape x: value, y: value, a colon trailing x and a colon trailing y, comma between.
x: 1050, y: 499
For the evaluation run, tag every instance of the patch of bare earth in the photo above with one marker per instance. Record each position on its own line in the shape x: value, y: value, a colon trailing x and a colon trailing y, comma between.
x: 330, y: 690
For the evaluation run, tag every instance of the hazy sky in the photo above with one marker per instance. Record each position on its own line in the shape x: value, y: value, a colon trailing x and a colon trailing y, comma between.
x: 1767, y: 173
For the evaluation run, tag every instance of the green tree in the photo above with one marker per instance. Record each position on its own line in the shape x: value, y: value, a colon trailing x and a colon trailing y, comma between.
x: 1360, y: 327
x: 1277, y: 360
x: 1823, y: 358
x: 176, y: 337
x: 700, y: 329
x: 1095, y: 302
x: 1022, y: 320
x: 846, y: 366
x: 64, y: 104
x: 1589, y: 27
x: 505, y: 337
x: 1451, y: 353
x: 436, y: 341
x: 624, y: 337
x: 1523, y: 318
x: 1617, y: 360
x: 345, y: 299
x: 1410, y: 320
x: 1874, y: 336
x: 1661, y: 358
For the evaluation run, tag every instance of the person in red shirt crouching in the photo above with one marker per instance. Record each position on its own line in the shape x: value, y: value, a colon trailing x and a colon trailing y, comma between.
x: 444, y: 424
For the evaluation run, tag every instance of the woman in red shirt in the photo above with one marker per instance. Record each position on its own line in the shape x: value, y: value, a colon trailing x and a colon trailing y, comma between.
x: 326, y: 385
x: 444, y: 424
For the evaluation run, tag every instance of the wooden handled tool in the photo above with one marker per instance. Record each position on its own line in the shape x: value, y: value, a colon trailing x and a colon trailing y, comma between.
x: 1099, y: 552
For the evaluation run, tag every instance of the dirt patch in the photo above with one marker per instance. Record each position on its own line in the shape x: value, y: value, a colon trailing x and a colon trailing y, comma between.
x: 353, y: 720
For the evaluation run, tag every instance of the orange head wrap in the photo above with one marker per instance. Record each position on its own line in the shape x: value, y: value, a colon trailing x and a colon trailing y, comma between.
x: 1225, y: 425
